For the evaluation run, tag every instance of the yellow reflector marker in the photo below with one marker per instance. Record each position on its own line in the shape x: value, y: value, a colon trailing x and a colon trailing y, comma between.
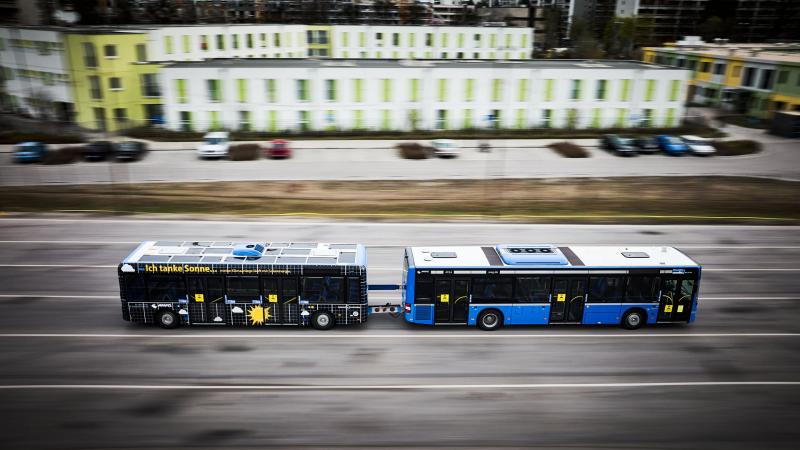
x: 562, y: 297
x: 444, y: 298
x: 668, y: 308
x: 680, y: 308
x: 199, y: 298
x: 273, y: 298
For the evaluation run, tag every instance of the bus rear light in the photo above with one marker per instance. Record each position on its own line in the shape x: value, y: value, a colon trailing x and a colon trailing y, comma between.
x: 407, y: 307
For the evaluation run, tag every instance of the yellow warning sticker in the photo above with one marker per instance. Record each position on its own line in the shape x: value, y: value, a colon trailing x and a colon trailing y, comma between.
x: 199, y: 298
x: 561, y: 297
x: 668, y: 308
x: 680, y: 308
x: 273, y: 298
x: 444, y: 298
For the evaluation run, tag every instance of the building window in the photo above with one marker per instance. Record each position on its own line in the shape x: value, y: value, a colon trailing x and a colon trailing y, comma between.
x: 214, y: 90
x: 110, y: 51
x: 783, y: 76
x: 548, y: 90
x: 89, y: 55
x: 429, y: 39
x: 317, y: 37
x: 386, y: 119
x: 601, y: 90
x: 271, y: 91
x: 99, y: 118
x: 185, y: 118
x: 674, y: 90
x: 187, y: 44
x: 469, y: 90
x: 168, y: 45
x: 572, y: 118
x: 302, y: 90
x: 330, y: 90
x: 575, y: 92
x: 95, y: 89
x: 444, y: 39
x: 520, y: 118
x: 477, y: 39
x: 749, y: 76
x: 241, y: 90
x: 705, y: 67
x: 150, y: 86
x: 120, y: 115
x: 547, y: 115
x: 358, y: 90
x: 497, y: 89
x: 235, y: 43
x: 244, y: 120
x: 522, y: 94
x: 249, y: 40
x: 141, y: 53
x: 387, y: 89
x: 413, y: 91
x: 650, y: 91
x: 596, y: 117
x: 767, y: 76
x: 719, y: 69
x: 180, y: 88
x: 441, y: 119
x: 115, y: 83
x: 625, y: 90
x: 203, y: 42
x: 467, y: 119
x: 396, y: 39
x: 214, y: 121
x: 442, y: 91
x: 220, y: 42
x: 303, y: 120
x: 412, y: 40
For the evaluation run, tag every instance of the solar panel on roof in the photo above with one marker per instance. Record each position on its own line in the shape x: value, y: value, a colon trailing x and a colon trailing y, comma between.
x: 185, y: 259
x: 343, y: 246
x: 154, y: 258
x: 169, y: 243
x: 321, y: 260
x: 194, y: 251
x: 279, y: 244
x: 291, y: 260
x: 347, y: 258
x: 212, y: 259
x: 218, y: 251
x: 296, y: 251
x: 302, y: 245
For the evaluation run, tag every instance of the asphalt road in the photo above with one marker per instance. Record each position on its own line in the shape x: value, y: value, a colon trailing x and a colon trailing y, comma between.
x: 74, y: 375
x: 370, y: 160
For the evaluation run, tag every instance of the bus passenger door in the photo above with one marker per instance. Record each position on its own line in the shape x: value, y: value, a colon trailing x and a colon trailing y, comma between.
x: 206, y: 299
x: 567, y: 299
x: 452, y: 300
x: 288, y: 309
x: 676, y: 299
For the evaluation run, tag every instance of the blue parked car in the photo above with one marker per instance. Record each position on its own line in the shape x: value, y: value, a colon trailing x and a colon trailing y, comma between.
x: 29, y: 152
x: 672, y: 145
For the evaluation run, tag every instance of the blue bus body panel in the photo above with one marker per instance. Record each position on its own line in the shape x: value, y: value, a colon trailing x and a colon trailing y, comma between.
x: 601, y: 313
x: 530, y: 314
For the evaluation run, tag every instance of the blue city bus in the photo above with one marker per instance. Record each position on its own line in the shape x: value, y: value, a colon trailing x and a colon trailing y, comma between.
x: 172, y: 283
x: 490, y: 287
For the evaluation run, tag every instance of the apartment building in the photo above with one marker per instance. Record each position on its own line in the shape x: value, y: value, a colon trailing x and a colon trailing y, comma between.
x: 751, y: 79
x: 303, y: 94
x: 195, y: 43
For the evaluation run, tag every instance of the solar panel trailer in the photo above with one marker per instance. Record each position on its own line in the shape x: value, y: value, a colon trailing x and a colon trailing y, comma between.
x: 172, y: 283
x: 537, y: 284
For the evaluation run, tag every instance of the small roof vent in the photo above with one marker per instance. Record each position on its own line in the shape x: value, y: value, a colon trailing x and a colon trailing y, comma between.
x: 444, y: 254
x: 248, y: 250
x: 532, y: 254
x: 635, y: 255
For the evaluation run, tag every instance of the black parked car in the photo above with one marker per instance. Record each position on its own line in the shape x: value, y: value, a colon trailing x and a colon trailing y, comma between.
x: 646, y: 144
x: 98, y: 150
x: 129, y: 150
x: 621, y: 146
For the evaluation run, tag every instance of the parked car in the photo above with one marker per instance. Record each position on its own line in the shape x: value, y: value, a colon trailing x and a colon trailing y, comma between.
x: 215, y: 145
x: 278, y: 148
x: 646, y: 144
x: 445, y: 148
x: 129, y: 150
x: 699, y: 146
x: 29, y: 152
x: 621, y: 146
x: 98, y: 150
x: 671, y: 145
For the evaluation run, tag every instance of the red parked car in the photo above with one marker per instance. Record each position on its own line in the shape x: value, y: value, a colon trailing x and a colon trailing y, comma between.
x: 278, y: 148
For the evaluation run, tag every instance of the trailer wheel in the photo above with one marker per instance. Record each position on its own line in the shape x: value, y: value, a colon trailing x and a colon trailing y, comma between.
x: 167, y: 319
x: 322, y: 320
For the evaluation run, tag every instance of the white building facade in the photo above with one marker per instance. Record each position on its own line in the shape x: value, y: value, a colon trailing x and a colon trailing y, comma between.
x: 35, y: 67
x: 305, y: 95
x: 197, y: 43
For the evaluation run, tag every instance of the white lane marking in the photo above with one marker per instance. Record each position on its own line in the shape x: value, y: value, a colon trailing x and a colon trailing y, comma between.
x: 391, y: 387
x: 307, y: 334
x: 680, y: 246
x: 334, y: 223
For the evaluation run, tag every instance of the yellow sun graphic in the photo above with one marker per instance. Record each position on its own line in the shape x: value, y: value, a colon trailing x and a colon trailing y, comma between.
x: 257, y: 315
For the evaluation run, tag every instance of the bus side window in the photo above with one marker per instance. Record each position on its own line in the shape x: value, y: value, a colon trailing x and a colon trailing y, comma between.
x: 289, y: 289
x: 532, y: 289
x: 215, y: 289
x: 423, y: 292
x: 269, y: 286
x: 353, y: 290
x: 642, y: 289
x: 491, y: 290
x: 243, y: 288
x: 605, y: 289
x: 323, y: 289
x: 166, y: 288
x: 135, y: 288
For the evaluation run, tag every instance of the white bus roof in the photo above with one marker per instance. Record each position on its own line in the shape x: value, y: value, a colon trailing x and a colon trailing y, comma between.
x: 222, y: 252
x: 548, y: 256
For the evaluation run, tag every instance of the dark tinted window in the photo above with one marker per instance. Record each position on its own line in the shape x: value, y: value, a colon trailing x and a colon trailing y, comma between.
x: 353, y: 290
x: 323, y: 289
x: 135, y: 288
x: 605, y: 289
x: 423, y: 291
x: 491, y: 289
x: 243, y: 288
x: 269, y: 286
x: 533, y: 289
x: 642, y: 289
x: 166, y: 289
x: 215, y: 290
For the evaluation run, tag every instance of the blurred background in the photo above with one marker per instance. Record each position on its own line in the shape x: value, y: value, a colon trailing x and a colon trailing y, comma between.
x: 394, y: 124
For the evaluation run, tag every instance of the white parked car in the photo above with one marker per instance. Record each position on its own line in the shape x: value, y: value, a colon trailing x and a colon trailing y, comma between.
x: 698, y: 145
x: 445, y: 148
x: 215, y: 145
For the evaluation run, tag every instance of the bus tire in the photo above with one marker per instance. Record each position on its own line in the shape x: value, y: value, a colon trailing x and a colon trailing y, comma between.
x: 634, y: 319
x: 167, y: 319
x: 322, y: 320
x: 490, y: 320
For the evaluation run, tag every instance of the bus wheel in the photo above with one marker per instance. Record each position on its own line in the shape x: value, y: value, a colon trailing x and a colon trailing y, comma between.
x: 167, y: 319
x: 634, y: 319
x: 322, y: 320
x: 490, y: 320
